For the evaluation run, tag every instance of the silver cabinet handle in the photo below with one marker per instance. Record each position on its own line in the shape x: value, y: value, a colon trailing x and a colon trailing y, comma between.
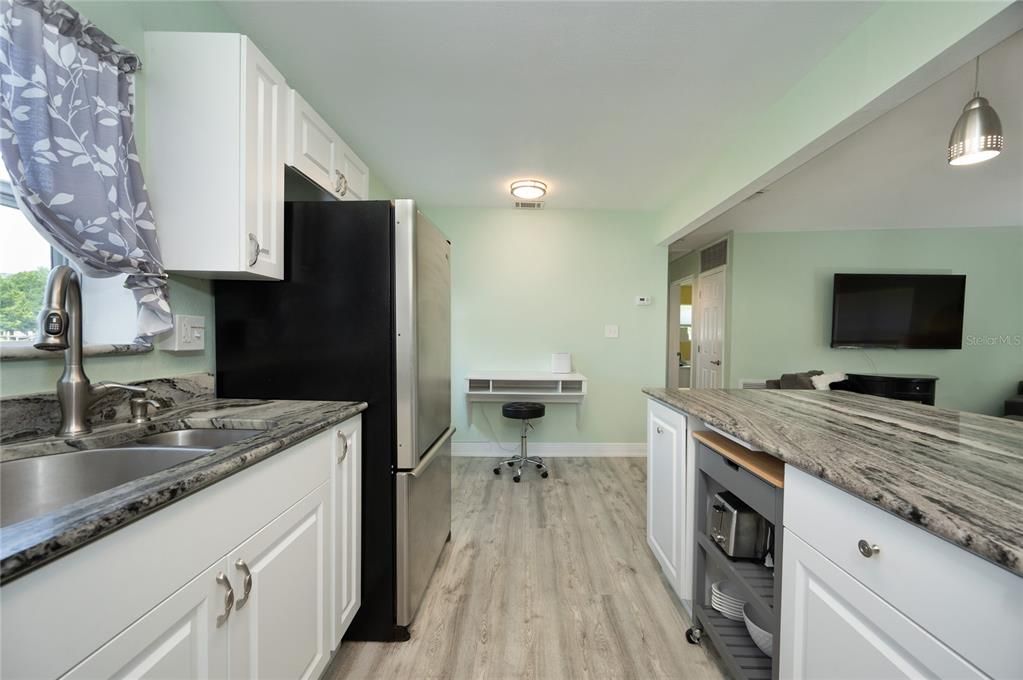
x: 246, y: 584
x: 254, y: 250
x: 228, y: 599
x: 344, y: 446
x: 660, y: 430
x: 868, y: 549
x: 340, y: 183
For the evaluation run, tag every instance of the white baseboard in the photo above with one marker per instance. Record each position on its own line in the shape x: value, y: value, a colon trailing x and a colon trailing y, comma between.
x: 552, y: 449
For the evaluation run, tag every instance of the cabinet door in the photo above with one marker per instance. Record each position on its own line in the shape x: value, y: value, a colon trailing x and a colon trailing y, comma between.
x: 262, y: 158
x: 279, y: 627
x: 351, y: 176
x: 666, y: 441
x: 832, y: 626
x: 312, y: 144
x: 346, y: 583
x: 179, y: 638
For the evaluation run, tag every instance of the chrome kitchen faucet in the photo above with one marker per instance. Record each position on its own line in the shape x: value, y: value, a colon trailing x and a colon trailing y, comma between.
x: 60, y: 328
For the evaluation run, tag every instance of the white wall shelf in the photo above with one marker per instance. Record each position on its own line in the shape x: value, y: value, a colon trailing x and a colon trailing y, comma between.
x: 538, y: 386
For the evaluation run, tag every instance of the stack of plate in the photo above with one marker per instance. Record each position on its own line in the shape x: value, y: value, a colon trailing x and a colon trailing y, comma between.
x: 724, y: 598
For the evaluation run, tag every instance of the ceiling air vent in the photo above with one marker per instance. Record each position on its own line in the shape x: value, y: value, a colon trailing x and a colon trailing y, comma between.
x: 529, y: 205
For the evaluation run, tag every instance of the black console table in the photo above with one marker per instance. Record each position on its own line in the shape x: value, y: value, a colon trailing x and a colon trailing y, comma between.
x: 919, y: 388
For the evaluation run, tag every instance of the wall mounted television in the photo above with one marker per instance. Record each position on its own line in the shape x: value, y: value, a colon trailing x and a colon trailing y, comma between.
x: 913, y: 311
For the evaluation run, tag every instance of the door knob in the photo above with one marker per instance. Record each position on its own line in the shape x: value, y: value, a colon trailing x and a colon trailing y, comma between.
x: 716, y: 363
x: 868, y: 549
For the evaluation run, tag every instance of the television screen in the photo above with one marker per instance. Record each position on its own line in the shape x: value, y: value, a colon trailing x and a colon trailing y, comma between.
x: 919, y: 311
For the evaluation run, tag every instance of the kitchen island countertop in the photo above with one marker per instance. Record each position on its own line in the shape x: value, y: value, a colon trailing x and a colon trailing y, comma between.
x: 957, y: 475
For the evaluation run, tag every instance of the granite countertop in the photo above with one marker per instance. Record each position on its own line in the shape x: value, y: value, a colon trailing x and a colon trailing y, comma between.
x: 958, y: 475
x: 34, y: 542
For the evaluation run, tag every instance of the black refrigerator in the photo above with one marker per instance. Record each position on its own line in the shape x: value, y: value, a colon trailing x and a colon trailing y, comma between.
x: 363, y: 314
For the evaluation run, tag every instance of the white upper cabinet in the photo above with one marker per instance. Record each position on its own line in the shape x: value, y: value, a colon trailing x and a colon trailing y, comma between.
x: 319, y: 153
x: 216, y: 119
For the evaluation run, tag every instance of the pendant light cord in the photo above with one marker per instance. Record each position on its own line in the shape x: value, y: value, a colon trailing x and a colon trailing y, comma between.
x: 976, y: 78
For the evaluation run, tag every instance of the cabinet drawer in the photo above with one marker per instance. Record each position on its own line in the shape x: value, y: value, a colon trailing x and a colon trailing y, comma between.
x: 963, y: 600
x: 754, y: 491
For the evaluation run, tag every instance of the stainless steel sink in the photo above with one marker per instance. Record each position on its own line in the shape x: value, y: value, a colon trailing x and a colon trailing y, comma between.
x: 30, y: 487
x: 207, y: 438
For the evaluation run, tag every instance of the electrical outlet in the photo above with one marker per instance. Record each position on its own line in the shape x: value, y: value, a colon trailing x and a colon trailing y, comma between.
x: 611, y: 331
x: 188, y: 335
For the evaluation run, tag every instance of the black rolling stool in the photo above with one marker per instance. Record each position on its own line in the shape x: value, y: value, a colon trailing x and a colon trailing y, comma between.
x: 524, y: 411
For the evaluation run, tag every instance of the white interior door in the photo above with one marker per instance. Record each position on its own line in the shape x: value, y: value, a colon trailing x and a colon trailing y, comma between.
x: 710, y: 330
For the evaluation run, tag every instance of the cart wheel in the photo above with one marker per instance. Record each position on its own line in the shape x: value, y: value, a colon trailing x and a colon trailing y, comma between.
x: 516, y: 479
x: 693, y: 636
x: 497, y: 470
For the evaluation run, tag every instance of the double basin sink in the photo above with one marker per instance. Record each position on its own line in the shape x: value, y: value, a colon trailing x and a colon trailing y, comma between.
x: 30, y: 487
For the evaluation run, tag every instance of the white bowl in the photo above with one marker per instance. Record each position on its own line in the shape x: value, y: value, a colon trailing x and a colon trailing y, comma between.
x: 755, y: 625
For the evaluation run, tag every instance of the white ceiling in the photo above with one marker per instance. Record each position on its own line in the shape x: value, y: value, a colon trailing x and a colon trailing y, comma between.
x: 893, y: 174
x: 615, y: 105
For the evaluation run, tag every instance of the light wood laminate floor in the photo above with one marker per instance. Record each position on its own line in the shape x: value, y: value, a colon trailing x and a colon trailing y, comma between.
x: 549, y: 578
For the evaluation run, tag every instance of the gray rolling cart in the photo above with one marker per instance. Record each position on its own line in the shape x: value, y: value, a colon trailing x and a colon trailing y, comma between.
x: 757, y: 480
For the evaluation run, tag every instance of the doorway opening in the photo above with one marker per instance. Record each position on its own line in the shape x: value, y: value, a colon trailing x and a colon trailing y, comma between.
x: 680, y: 333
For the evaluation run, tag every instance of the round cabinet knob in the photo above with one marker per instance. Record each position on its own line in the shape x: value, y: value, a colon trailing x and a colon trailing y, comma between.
x: 868, y: 549
x: 340, y: 183
x: 660, y: 430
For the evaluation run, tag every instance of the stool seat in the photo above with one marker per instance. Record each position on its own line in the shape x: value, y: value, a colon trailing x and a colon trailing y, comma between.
x: 523, y: 410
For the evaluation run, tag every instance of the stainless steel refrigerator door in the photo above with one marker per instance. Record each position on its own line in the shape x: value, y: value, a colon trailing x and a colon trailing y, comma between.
x: 424, y: 523
x: 423, y: 324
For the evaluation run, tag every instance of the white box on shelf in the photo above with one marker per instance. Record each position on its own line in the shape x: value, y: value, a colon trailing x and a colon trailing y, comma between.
x: 561, y: 362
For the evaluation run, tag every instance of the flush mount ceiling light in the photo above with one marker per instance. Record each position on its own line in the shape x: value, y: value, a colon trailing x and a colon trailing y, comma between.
x: 528, y: 189
x: 977, y: 136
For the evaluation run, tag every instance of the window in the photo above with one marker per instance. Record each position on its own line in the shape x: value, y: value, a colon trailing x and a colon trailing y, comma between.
x: 25, y: 261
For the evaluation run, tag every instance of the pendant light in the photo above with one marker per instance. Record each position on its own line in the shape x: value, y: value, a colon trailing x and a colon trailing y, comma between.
x: 977, y: 136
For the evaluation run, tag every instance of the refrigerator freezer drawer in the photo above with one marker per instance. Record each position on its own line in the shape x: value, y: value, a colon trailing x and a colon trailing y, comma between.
x: 424, y: 524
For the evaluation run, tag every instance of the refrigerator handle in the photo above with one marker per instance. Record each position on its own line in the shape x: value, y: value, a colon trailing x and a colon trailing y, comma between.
x: 431, y: 453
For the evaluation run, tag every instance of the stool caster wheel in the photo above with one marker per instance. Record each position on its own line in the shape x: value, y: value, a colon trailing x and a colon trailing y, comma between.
x: 510, y: 464
x: 539, y: 467
x: 516, y: 479
x: 544, y: 474
x: 497, y: 470
x: 693, y: 636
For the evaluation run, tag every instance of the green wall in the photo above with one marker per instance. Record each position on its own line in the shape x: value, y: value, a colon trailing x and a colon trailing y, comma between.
x: 780, y: 311
x: 126, y: 22
x: 529, y: 283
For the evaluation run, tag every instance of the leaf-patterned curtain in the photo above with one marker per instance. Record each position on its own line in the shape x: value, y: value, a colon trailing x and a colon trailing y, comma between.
x: 68, y: 141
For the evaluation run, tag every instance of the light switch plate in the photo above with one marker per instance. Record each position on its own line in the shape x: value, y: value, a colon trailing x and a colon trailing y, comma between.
x: 188, y: 334
x: 644, y: 300
x: 611, y: 330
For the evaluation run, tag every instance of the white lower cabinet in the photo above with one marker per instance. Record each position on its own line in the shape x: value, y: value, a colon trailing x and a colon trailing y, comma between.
x: 666, y: 492
x: 177, y: 639
x: 280, y: 623
x: 346, y: 538
x: 274, y: 606
x: 832, y: 626
x: 866, y: 594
